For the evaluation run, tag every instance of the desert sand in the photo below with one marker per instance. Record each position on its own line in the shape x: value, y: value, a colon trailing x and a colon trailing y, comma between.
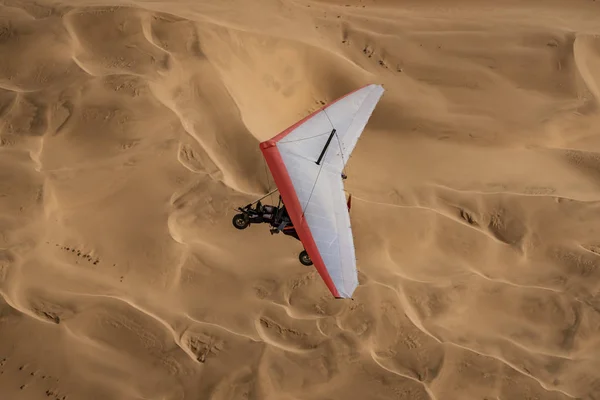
x: 129, y: 132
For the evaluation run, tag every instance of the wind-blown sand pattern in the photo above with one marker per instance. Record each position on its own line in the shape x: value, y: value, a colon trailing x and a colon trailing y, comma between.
x: 129, y: 132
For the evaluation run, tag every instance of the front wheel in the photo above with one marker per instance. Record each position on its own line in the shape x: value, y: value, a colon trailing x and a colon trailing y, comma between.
x: 240, y: 221
x: 305, y: 258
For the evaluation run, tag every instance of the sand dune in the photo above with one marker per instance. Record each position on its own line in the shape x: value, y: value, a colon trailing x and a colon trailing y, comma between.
x: 129, y: 132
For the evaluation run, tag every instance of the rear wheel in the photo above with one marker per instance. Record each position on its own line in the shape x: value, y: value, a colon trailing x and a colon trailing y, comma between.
x: 304, y: 258
x: 240, y: 221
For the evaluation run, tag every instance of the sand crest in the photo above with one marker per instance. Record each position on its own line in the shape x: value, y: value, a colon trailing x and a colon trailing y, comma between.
x: 129, y: 132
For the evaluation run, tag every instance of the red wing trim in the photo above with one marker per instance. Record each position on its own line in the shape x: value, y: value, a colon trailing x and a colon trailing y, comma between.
x: 294, y: 209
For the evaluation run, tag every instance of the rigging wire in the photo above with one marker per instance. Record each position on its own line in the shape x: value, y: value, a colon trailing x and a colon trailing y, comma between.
x: 324, y: 156
x: 339, y: 143
x: 343, y: 173
x: 269, y: 193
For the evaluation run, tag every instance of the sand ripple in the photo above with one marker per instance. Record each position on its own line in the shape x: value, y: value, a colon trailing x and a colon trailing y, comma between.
x: 129, y: 134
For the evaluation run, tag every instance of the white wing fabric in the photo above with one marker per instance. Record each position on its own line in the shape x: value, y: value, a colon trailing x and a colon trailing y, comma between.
x: 314, y: 192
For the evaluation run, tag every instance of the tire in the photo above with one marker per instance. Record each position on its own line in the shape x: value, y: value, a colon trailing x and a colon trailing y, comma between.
x: 240, y: 221
x: 305, y: 258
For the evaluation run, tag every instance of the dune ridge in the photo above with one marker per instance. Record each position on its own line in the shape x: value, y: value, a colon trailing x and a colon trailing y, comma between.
x: 129, y: 132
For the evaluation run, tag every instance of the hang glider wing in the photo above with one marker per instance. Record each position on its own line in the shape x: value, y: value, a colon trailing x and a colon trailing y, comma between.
x: 306, y: 161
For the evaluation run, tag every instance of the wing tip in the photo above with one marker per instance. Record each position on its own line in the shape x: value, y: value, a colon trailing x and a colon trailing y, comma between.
x: 346, y: 294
